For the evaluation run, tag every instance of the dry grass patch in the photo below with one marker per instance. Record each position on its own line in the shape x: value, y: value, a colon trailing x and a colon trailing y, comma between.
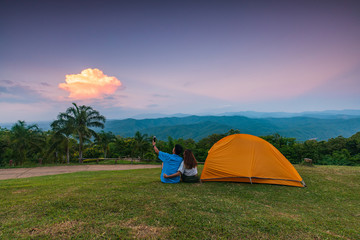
x: 62, y: 230
x: 21, y: 191
x: 335, y: 235
x: 338, y: 170
x: 143, y: 231
x: 287, y: 215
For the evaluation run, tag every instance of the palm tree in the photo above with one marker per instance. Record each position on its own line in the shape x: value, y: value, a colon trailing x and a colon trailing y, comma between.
x: 141, y: 143
x: 63, y: 129
x: 79, y: 120
x: 25, y: 139
x: 103, y: 139
x: 4, y: 145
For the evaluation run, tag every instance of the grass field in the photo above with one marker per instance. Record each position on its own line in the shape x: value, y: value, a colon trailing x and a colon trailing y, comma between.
x: 134, y: 204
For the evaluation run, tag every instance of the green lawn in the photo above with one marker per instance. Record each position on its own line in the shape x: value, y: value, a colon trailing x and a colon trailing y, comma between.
x: 134, y: 204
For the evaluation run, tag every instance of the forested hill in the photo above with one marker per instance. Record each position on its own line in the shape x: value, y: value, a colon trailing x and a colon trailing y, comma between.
x: 198, y: 127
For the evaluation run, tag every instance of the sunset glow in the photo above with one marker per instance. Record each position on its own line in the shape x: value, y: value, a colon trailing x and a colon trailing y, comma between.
x: 90, y: 83
x: 146, y: 58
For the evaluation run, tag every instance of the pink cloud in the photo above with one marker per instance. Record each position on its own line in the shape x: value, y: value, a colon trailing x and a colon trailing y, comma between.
x: 90, y: 83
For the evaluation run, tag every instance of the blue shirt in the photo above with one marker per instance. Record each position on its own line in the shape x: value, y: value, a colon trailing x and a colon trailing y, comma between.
x: 171, y: 166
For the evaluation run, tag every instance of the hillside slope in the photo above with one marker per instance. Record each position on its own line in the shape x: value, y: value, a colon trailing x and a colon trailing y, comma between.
x: 198, y: 127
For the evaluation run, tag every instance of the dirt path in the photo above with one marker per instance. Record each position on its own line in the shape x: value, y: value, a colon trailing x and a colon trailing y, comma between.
x: 42, y: 171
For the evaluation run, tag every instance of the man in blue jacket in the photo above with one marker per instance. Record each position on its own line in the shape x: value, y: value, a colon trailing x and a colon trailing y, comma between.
x: 171, y: 163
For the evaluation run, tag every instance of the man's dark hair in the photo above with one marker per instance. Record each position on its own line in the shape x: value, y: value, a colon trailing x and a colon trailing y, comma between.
x: 178, y: 149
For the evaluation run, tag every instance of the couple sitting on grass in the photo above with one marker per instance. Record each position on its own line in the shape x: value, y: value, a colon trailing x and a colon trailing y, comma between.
x: 174, y: 166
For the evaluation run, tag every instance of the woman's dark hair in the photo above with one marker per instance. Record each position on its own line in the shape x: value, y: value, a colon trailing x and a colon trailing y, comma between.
x: 178, y: 149
x: 189, y: 159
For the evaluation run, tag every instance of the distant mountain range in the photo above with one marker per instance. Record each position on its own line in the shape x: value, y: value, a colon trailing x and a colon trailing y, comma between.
x: 329, y: 114
x: 198, y: 127
x: 302, y: 126
x: 344, y: 114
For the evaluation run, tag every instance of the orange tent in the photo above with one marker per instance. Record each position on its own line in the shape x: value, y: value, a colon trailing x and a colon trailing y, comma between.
x: 247, y: 158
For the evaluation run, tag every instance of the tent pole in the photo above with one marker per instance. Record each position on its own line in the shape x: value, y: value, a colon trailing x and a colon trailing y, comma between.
x: 250, y: 180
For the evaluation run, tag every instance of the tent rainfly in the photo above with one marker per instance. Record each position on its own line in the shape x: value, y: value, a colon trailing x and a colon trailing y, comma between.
x: 247, y: 158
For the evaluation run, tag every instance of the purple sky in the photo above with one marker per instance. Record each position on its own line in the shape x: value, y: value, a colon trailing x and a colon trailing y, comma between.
x: 190, y: 57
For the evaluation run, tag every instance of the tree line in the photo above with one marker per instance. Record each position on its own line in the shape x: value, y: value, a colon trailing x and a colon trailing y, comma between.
x: 72, y: 138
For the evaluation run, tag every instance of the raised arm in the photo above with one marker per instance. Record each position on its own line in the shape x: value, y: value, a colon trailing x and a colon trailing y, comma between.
x: 155, y: 148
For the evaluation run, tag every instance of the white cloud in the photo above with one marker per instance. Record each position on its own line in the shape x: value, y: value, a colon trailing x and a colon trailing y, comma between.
x: 90, y: 84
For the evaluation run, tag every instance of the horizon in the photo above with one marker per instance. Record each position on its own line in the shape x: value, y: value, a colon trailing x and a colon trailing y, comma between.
x: 129, y: 59
x: 344, y: 112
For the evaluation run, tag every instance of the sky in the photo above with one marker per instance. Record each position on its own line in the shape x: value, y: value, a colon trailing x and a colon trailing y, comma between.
x: 126, y: 58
